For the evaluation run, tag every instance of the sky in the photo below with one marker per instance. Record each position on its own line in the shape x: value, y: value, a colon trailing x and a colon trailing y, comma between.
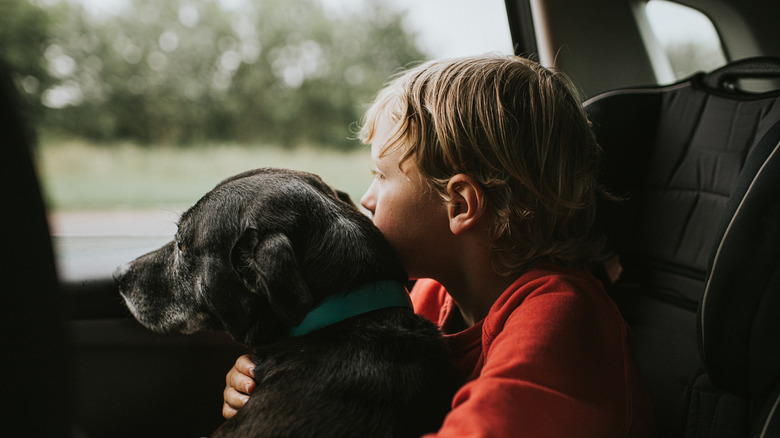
x: 461, y: 27
x: 446, y: 27
x: 468, y: 27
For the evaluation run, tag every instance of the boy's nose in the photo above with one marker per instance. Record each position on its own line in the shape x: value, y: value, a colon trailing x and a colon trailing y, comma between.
x: 367, y: 201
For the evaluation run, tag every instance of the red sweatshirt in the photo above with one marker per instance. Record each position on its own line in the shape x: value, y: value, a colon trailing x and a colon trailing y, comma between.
x: 551, y: 359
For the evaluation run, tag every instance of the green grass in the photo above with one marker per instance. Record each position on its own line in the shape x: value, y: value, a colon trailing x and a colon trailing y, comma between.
x: 78, y: 175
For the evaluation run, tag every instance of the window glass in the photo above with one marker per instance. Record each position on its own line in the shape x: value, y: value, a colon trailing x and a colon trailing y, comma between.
x: 687, y: 38
x: 143, y: 106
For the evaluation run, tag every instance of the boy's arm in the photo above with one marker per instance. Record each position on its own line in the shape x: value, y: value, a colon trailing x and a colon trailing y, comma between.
x: 557, y: 368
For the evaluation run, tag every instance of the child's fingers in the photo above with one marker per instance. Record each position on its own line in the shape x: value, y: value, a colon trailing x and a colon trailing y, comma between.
x: 238, y: 386
x: 234, y: 401
x: 227, y: 411
x: 240, y: 376
x: 240, y: 382
x: 245, y: 366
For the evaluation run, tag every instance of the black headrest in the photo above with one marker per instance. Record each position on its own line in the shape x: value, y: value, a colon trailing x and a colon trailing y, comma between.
x: 726, y: 77
x: 673, y: 154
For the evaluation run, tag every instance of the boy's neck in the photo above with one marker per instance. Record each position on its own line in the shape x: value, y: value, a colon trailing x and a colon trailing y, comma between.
x: 469, y: 276
x: 475, y: 293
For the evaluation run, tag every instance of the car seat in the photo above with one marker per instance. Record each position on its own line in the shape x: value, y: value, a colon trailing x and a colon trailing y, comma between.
x: 696, y: 228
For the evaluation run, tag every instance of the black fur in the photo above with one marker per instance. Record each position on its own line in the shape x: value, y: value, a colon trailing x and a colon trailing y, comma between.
x: 253, y: 257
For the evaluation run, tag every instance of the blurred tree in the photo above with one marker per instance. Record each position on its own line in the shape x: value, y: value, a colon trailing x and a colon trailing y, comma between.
x: 184, y: 71
x: 24, y: 32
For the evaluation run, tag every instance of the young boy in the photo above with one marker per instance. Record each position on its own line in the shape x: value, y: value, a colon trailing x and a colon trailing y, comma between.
x: 486, y: 187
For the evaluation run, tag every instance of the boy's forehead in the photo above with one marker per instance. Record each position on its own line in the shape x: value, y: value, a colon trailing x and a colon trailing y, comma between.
x: 383, y: 131
x: 380, y: 153
x: 375, y: 151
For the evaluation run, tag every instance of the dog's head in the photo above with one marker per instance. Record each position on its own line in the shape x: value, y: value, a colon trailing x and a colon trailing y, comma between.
x: 254, y: 256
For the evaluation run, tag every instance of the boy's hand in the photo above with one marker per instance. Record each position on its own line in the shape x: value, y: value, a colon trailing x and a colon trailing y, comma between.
x: 240, y: 386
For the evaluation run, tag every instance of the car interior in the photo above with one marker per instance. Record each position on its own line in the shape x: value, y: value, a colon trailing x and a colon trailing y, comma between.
x: 691, y: 160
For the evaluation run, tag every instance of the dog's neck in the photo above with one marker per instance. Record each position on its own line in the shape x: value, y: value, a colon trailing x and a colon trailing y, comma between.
x: 367, y: 298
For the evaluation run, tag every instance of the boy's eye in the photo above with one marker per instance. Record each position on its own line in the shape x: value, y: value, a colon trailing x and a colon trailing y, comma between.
x: 377, y: 174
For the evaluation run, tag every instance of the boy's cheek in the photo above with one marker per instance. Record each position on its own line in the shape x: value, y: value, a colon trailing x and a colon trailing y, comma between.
x: 388, y: 227
x: 383, y: 225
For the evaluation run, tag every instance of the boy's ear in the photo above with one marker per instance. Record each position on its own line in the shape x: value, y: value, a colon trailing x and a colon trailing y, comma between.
x: 267, y: 265
x: 466, y: 204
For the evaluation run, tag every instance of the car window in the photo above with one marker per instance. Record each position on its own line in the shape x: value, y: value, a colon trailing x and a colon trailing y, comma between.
x: 687, y: 40
x: 142, y: 106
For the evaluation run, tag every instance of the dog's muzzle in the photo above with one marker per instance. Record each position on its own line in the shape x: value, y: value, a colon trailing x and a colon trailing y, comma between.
x: 120, y: 272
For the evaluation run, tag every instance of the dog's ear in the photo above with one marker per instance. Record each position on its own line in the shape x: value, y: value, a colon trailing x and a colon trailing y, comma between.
x: 344, y: 196
x: 267, y: 265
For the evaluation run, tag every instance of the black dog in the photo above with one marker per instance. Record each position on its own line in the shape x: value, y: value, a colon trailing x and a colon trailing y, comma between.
x: 291, y: 268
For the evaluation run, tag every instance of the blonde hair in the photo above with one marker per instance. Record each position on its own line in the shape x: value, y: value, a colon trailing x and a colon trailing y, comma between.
x: 520, y: 131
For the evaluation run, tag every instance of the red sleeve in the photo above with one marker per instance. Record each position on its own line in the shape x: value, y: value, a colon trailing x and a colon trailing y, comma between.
x: 428, y: 298
x: 556, y: 367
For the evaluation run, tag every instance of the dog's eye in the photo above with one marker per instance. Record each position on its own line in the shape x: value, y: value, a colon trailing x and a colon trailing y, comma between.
x: 180, y: 246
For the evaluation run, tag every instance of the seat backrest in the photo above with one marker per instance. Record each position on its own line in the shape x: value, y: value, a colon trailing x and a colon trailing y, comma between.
x: 674, y: 155
x: 739, y: 324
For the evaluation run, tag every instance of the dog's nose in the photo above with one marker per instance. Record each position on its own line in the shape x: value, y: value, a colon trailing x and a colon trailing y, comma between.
x: 120, y: 272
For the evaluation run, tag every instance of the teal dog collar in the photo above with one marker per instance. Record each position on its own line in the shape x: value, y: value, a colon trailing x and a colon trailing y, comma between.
x: 367, y: 298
